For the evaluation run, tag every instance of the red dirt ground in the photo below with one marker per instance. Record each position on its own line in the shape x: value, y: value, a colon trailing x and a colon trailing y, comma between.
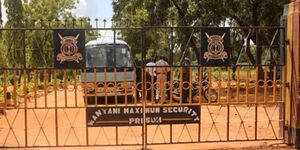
x: 72, y: 130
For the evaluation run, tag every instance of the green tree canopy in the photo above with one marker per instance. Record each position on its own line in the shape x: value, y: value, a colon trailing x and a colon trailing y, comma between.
x: 36, y: 44
x: 197, y: 13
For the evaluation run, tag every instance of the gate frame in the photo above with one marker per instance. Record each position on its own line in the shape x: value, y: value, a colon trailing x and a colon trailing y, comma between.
x: 144, y: 128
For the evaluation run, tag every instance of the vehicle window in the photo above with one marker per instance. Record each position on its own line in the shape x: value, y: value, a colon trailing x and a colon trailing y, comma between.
x: 123, y: 58
x: 103, y: 56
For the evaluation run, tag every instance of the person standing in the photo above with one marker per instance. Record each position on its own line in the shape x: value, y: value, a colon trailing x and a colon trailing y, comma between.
x: 162, y: 69
x: 150, y: 78
x: 186, y: 79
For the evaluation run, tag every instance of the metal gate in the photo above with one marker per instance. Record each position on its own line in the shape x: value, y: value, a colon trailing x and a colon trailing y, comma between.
x: 44, y: 106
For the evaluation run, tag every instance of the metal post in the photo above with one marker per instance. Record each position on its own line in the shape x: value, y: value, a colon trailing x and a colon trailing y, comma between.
x: 25, y: 113
x: 144, y: 128
x: 56, y: 114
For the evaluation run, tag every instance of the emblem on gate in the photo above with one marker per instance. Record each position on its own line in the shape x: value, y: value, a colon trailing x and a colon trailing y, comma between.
x: 69, y: 49
x: 215, y: 48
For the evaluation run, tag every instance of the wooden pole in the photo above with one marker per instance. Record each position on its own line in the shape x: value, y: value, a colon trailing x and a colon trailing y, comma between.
x: 292, y: 99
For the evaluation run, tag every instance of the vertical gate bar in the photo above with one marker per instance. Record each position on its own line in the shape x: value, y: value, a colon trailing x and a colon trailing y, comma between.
x: 283, y: 73
x: 95, y: 87
x: 144, y: 107
x: 144, y: 128
x: 115, y: 65
x: 190, y: 84
x: 265, y: 87
x: 181, y: 86
x: 283, y: 52
x: 105, y: 86
x: 209, y: 84
x: 200, y: 75
x: 86, y: 105
x: 5, y: 89
x: 115, y: 86
x: 117, y: 136
x: 255, y: 97
x: 136, y: 94
x: 24, y: 48
x: 257, y: 46
x: 228, y: 100
x: 247, y: 84
x: 125, y: 86
x: 75, y: 86
x: 65, y: 88
x: 55, y: 101
x: 85, y: 87
x: 228, y: 86
x: 274, y: 83
x: 255, y: 129
x: 114, y: 49
x: 25, y: 113
x: 199, y: 125
x: 238, y: 84
x: 283, y: 89
x: 228, y: 120
x: 172, y: 46
x: 35, y: 88
x: 200, y: 85
x: 256, y: 85
x: 152, y: 86
x: 283, y: 121
x: 283, y: 84
x: 146, y: 67
x: 171, y: 134
x: 45, y: 87
x: 15, y: 89
x: 219, y: 84
x: 171, y: 85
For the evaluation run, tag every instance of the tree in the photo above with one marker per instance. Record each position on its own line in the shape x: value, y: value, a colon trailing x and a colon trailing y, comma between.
x: 33, y: 48
x: 44, y: 14
x: 14, y: 39
x: 204, y: 13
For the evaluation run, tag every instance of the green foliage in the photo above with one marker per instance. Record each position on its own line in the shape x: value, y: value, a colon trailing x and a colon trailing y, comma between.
x: 37, y: 44
x: 14, y: 39
x: 14, y: 13
x: 194, y: 13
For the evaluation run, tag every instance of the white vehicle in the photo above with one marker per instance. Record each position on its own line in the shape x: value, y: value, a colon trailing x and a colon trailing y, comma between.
x: 109, y: 75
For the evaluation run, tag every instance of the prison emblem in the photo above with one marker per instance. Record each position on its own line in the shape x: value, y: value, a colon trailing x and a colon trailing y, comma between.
x: 215, y: 48
x: 69, y: 49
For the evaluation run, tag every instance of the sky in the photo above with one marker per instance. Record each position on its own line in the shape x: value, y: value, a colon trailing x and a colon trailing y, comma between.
x: 101, y: 9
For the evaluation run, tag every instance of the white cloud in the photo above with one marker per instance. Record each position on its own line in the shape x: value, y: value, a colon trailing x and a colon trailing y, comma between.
x: 100, y: 9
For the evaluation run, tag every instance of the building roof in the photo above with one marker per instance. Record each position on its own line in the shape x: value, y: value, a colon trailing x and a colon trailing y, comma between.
x: 103, y: 41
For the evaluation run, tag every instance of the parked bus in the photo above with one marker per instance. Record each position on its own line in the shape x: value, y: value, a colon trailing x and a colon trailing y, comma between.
x: 109, y: 76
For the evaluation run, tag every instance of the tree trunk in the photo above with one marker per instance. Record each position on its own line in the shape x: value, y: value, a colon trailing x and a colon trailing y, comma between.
x: 248, y: 52
x: 188, y: 34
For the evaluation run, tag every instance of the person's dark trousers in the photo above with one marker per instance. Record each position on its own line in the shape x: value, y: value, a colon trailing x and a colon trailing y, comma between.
x: 168, y: 85
x: 150, y: 82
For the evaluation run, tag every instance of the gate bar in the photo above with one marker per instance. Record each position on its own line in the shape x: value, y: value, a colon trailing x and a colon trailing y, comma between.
x: 56, y: 114
x: 25, y: 113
